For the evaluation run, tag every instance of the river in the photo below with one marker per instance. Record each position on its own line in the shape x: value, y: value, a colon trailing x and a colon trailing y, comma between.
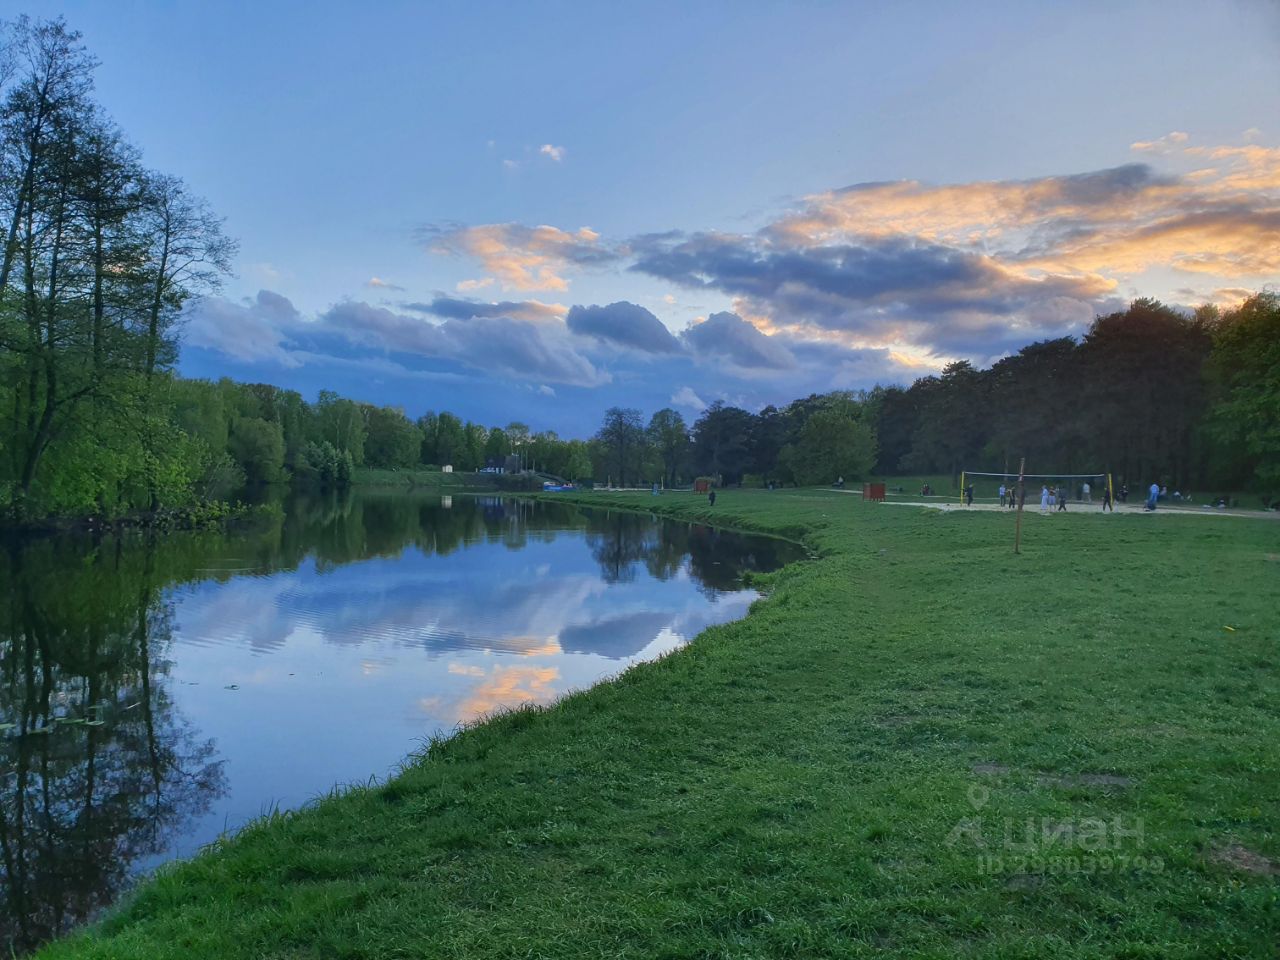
x: 157, y: 691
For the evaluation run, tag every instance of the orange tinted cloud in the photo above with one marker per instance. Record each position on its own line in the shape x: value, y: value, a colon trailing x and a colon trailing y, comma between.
x: 509, y: 687
x: 520, y: 257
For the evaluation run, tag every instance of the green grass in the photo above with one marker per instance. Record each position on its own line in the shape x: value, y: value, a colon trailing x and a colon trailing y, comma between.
x: 808, y: 782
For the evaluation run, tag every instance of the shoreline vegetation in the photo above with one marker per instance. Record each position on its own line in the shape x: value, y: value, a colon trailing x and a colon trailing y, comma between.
x: 915, y: 744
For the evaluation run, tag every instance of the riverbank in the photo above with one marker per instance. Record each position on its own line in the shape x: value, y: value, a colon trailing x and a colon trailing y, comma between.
x: 918, y: 744
x: 206, y: 515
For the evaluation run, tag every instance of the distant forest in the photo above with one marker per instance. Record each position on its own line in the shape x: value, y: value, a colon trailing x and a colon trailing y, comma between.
x: 101, y: 254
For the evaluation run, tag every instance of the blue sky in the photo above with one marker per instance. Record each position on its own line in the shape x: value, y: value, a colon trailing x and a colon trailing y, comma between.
x: 777, y: 198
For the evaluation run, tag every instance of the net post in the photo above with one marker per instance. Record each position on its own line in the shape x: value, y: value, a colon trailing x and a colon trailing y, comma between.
x: 962, y: 486
x: 1022, y: 495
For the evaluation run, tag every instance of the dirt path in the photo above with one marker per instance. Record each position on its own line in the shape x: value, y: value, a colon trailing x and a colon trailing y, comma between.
x: 1074, y: 507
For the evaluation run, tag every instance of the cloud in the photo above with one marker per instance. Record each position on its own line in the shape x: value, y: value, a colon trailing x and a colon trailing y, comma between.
x: 728, y: 337
x: 685, y: 397
x: 521, y: 257
x: 879, y: 291
x: 623, y: 324
x: 377, y: 283
x: 1163, y: 144
x: 451, y: 308
x: 520, y: 340
x: 466, y: 286
x: 555, y: 153
x: 615, y: 637
x: 493, y: 344
x: 505, y: 686
x: 252, y: 330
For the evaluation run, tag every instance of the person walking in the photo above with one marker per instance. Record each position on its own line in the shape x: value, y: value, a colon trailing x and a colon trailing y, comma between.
x: 711, y: 499
x: 1044, y: 499
x: 1106, y: 500
x: 1086, y: 494
x: 968, y: 495
x: 1153, y: 495
x: 1062, y: 499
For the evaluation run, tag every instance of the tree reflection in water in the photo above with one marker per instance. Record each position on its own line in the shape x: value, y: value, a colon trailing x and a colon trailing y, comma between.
x: 97, y: 769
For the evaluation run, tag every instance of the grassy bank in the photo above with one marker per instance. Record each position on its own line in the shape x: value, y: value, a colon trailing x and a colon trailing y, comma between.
x: 919, y: 745
x: 432, y: 479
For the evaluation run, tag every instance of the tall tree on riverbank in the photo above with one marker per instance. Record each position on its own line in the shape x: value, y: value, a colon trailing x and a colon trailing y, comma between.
x: 98, y: 258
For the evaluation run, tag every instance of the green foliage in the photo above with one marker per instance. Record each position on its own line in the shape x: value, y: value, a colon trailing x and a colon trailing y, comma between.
x: 1245, y: 371
x: 668, y: 436
x: 258, y: 446
x: 832, y: 445
x: 391, y: 440
x: 325, y: 467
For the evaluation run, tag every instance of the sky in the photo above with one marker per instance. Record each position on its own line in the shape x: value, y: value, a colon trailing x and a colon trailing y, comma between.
x: 536, y: 211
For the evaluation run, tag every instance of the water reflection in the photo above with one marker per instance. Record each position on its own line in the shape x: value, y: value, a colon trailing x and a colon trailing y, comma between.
x: 97, y: 767
x: 154, y: 692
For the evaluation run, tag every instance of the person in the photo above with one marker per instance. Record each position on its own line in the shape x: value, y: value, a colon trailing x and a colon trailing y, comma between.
x: 1124, y: 493
x: 1106, y: 500
x: 1086, y: 494
x: 1044, y: 499
x: 1002, y: 494
x: 840, y: 483
x: 711, y: 498
x: 1062, y: 499
x: 968, y: 495
x: 1153, y: 495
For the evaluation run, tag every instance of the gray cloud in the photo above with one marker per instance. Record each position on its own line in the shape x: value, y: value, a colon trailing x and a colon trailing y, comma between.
x: 251, y: 330
x: 883, y: 289
x: 458, y: 308
x: 269, y: 328
x: 494, y: 344
x: 727, y: 336
x: 623, y: 324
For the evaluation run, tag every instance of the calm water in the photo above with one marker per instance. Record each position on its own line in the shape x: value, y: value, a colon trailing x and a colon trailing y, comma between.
x: 155, y: 692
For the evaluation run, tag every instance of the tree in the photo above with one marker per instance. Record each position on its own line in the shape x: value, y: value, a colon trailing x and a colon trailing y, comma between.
x: 258, y: 446
x: 391, y: 440
x: 341, y: 422
x: 668, y: 436
x: 1141, y: 379
x: 98, y: 258
x: 496, y: 447
x: 832, y: 445
x: 722, y: 442
x: 1245, y: 376
x: 621, y: 439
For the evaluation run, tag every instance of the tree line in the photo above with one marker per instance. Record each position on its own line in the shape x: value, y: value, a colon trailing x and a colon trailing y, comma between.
x: 1148, y: 393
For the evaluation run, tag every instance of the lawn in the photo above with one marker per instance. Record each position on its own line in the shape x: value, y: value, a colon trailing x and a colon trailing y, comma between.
x: 920, y: 745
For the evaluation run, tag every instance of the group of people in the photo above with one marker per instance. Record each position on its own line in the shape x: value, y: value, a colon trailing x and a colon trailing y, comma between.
x: 1051, y: 496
